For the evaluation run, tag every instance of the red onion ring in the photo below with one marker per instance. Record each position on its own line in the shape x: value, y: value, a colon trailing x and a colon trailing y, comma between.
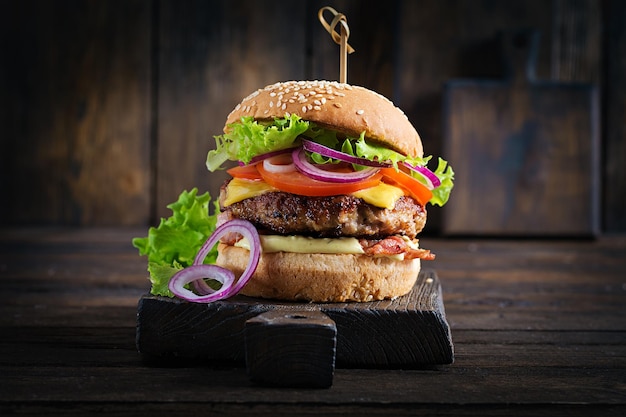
x: 264, y: 156
x: 335, y: 154
x: 273, y: 164
x: 431, y: 179
x: 196, y: 273
x: 312, y: 171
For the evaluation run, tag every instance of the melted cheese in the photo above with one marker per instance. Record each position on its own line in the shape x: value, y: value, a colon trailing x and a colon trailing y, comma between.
x: 383, y: 195
x: 239, y: 190
x: 303, y: 244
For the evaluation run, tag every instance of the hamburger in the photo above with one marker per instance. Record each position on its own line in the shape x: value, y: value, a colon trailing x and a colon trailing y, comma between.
x: 334, y: 180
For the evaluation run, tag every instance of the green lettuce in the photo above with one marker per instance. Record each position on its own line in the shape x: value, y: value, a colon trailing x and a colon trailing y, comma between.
x: 377, y: 152
x: 249, y: 138
x: 445, y: 173
x: 358, y: 147
x: 173, y: 245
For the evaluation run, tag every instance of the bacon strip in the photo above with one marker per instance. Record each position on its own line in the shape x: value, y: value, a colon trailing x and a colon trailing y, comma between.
x: 394, y: 245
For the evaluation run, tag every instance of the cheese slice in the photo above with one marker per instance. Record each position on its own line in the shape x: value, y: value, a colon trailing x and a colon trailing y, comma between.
x: 383, y: 195
x: 304, y: 244
x: 239, y: 190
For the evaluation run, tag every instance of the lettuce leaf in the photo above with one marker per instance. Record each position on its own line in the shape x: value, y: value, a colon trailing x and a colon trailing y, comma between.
x: 173, y: 245
x: 249, y: 138
x: 445, y: 173
x: 377, y: 152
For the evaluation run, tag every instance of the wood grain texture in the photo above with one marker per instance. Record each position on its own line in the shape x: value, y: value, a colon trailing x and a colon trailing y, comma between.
x: 211, y: 56
x: 576, y: 41
x: 75, y: 111
x: 526, y: 151
x: 538, y: 328
x: 286, y: 349
x: 109, y: 110
x: 615, y: 128
x: 406, y: 332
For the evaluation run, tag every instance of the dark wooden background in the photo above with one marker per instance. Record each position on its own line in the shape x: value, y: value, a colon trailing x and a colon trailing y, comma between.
x: 107, y: 108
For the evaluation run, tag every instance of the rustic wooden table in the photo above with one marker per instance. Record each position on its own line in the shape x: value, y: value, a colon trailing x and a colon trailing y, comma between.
x: 539, y: 327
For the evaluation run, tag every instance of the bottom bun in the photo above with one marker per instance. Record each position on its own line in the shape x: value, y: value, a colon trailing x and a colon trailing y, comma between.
x: 322, y: 277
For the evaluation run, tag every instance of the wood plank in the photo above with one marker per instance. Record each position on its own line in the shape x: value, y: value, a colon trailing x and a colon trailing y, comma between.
x: 615, y: 128
x: 576, y: 41
x: 115, y: 346
x: 533, y: 144
x: 409, y: 331
x: 538, y: 328
x: 330, y: 410
x: 63, y: 58
x: 286, y: 349
x: 226, y: 385
x: 443, y: 40
x: 75, y: 96
x: 486, y: 284
x: 211, y: 56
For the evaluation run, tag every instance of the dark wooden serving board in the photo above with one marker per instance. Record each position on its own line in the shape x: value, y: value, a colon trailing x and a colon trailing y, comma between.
x: 408, y: 332
x: 525, y: 151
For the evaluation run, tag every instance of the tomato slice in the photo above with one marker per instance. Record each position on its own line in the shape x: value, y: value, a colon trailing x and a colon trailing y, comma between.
x: 297, y: 183
x: 246, y: 172
x: 416, y: 189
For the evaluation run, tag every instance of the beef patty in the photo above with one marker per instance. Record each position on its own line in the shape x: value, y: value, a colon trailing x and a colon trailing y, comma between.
x: 336, y: 216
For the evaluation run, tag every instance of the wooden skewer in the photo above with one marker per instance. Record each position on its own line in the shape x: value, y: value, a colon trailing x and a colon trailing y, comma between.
x: 343, y: 56
x: 340, y: 39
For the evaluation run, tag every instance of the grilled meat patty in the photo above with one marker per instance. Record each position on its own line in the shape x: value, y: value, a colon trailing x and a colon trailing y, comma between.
x: 336, y: 216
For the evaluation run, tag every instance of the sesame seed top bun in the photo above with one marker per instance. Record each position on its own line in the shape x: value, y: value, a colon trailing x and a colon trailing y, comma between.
x: 342, y: 107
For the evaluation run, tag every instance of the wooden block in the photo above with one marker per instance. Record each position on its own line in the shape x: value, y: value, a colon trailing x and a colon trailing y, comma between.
x: 291, y: 349
x: 525, y: 152
x: 410, y: 331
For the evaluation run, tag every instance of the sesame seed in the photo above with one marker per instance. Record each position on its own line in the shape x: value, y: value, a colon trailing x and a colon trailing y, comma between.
x: 271, y: 104
x: 272, y: 94
x: 319, y: 103
x: 304, y: 109
x: 317, y: 108
x: 338, y: 105
x: 359, y: 112
x: 284, y: 106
